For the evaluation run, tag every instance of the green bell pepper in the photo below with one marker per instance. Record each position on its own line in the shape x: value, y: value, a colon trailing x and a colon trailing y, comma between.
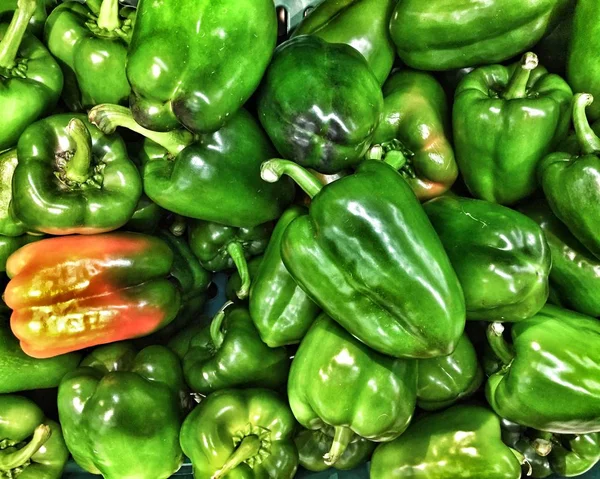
x: 362, y: 24
x: 571, y: 183
x: 30, y: 77
x: 549, y: 378
x: 340, y: 386
x: 90, y: 42
x: 146, y: 217
x: 214, y: 177
x: 241, y: 433
x: 448, y: 35
x: 73, y: 179
x: 506, y: 119
x: 463, y: 441
x: 415, y: 133
x: 282, y: 312
x: 504, y: 276
x: 320, y: 103
x: 195, y: 63
x: 354, y: 248
x: 31, y: 446
x: 234, y: 282
x: 121, y: 412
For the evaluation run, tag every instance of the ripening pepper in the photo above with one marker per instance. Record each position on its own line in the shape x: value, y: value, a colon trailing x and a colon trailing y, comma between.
x: 373, y: 262
x: 74, y: 292
x: 504, y: 276
x: 241, y: 433
x: 121, y: 412
x: 320, y: 103
x: 213, y: 177
x: 195, y: 63
x: 505, y: 120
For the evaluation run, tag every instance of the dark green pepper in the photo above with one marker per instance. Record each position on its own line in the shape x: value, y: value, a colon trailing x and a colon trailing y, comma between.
x: 146, y: 217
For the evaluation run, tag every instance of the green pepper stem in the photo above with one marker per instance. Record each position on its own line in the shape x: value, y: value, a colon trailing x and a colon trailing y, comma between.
x: 9, y: 46
x: 542, y: 446
x: 517, y: 86
x: 108, y: 19
x: 236, y: 251
x: 342, y: 437
x: 588, y: 140
x: 108, y: 117
x: 16, y: 458
x: 395, y: 158
x: 498, y: 344
x: 178, y: 226
x: 94, y: 6
x: 216, y: 335
x: 272, y: 170
x: 78, y: 166
x: 249, y: 447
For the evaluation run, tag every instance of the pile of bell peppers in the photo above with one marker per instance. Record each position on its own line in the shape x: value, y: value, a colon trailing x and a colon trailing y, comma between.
x: 402, y: 196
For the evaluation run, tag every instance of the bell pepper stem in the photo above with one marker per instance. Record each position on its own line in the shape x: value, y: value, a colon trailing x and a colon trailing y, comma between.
x: 588, y: 140
x: 108, y: 19
x: 108, y: 117
x: 341, y: 438
x: 272, y: 170
x: 78, y: 166
x: 395, y: 158
x: 216, y: 335
x: 542, y: 446
x: 517, y: 86
x: 94, y: 6
x: 178, y: 226
x: 15, y: 458
x: 236, y: 251
x: 249, y: 447
x: 9, y: 46
x: 498, y: 344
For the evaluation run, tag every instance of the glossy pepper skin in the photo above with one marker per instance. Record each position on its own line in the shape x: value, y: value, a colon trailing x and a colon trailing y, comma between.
x: 571, y: 182
x: 74, y: 292
x: 575, y: 273
x: 416, y: 130
x: 31, y: 446
x: 215, y: 177
x: 121, y: 412
x: 195, y: 63
x: 504, y: 276
x: 31, y: 79
x: 385, y: 240
x: 505, y: 120
x: 340, y: 386
x: 462, y: 441
x: 73, y: 179
x: 229, y: 353
x: 549, y: 381
x: 245, y: 433
x: 90, y: 42
x: 320, y: 103
x: 362, y: 24
x: 282, y: 312
x: 469, y: 33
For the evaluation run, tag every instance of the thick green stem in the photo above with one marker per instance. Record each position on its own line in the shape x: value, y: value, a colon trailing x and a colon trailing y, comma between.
x: 216, y: 335
x: 236, y: 251
x: 108, y: 117
x: 341, y: 439
x: 9, y: 46
x: 517, y: 86
x: 18, y: 457
x: 78, y: 166
x: 272, y: 170
x: 94, y: 6
x: 498, y: 344
x: 395, y: 158
x: 249, y: 447
x: 108, y: 19
x: 588, y: 140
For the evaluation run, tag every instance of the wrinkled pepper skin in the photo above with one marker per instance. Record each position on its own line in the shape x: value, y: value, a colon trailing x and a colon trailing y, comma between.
x: 504, y: 276
x: 505, y: 120
x: 575, y: 273
x: 549, y: 381
x: 320, y: 103
x: 75, y: 292
x: 448, y: 35
x: 362, y: 24
x: 463, y: 441
x: 282, y: 312
x: 31, y: 446
x: 91, y: 47
x: 73, y: 179
x: 339, y: 385
x: 416, y: 127
x: 121, y: 412
x: 195, y: 63
x: 354, y: 248
x: 241, y: 434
